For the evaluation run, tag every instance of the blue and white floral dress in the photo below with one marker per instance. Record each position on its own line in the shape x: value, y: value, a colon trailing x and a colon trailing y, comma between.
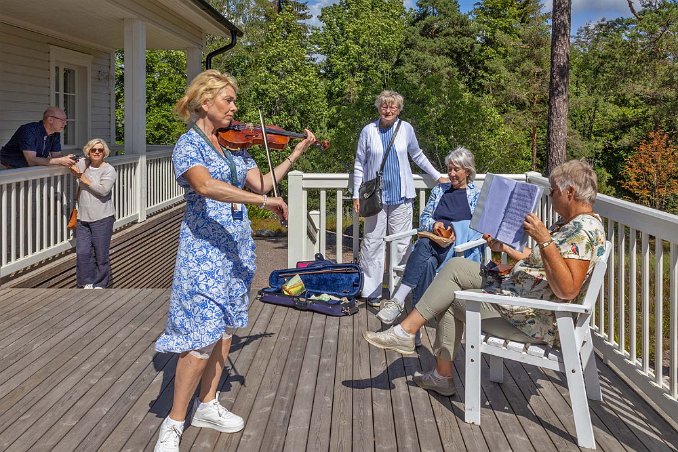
x: 215, y: 262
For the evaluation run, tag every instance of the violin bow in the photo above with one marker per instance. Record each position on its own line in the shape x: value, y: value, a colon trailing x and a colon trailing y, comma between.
x: 268, y: 154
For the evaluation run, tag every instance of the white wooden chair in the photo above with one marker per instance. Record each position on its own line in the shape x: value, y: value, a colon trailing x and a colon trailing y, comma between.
x: 395, y: 270
x: 575, y: 357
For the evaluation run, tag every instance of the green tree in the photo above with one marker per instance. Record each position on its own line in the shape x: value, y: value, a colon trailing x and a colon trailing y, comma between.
x: 624, y: 85
x: 357, y: 46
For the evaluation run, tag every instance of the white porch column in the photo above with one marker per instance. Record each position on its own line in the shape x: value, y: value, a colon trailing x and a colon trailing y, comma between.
x: 296, y: 222
x: 135, y: 104
x: 193, y: 62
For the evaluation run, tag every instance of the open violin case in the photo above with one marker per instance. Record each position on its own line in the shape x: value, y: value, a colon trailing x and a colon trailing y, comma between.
x: 321, y: 276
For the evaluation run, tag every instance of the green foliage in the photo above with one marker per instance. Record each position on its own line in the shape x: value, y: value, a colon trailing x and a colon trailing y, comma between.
x: 478, y: 80
x: 165, y: 83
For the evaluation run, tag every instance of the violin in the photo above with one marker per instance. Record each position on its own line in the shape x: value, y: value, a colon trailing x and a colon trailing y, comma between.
x: 240, y: 135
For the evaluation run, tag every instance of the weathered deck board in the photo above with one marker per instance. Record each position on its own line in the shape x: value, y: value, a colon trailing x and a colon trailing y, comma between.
x: 78, y: 372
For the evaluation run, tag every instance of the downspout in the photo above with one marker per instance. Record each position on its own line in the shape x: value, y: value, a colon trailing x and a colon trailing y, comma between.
x: 226, y: 48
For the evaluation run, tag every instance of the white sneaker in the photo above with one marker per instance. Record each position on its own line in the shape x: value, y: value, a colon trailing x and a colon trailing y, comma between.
x: 88, y: 286
x: 389, y: 312
x: 98, y: 287
x: 389, y: 340
x: 217, y: 417
x: 168, y: 438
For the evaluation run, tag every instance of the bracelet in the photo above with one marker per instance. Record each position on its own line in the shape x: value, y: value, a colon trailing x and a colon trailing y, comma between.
x: 545, y: 244
x: 263, y: 204
x: 290, y: 160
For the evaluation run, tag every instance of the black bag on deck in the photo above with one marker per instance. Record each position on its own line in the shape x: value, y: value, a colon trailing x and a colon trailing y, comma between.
x: 320, y: 277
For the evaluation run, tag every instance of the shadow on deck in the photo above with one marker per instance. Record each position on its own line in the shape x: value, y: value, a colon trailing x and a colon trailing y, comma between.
x: 78, y: 372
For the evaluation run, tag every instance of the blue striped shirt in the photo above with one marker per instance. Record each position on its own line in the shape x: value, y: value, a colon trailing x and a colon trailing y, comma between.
x: 391, y: 178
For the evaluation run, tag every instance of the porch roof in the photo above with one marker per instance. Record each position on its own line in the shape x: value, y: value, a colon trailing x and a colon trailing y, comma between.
x: 171, y: 24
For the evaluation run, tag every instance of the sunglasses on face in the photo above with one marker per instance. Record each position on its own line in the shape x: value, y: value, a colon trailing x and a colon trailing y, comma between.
x: 96, y: 150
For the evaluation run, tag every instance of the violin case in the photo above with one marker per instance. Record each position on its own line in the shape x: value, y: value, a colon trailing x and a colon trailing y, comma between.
x: 321, y: 276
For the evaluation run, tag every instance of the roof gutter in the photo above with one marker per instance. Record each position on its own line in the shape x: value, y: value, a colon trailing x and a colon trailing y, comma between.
x: 216, y: 15
x: 226, y: 48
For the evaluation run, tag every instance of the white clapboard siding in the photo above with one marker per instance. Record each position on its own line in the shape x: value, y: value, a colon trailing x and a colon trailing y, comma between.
x: 25, y: 82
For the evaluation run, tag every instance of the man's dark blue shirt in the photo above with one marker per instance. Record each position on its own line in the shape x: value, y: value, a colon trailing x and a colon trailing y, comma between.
x: 29, y: 137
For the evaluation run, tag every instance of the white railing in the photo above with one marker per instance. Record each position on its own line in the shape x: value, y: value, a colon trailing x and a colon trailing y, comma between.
x: 35, y: 203
x: 636, y: 324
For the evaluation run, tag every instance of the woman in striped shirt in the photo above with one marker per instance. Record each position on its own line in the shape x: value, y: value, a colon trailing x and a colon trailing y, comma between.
x: 398, y: 186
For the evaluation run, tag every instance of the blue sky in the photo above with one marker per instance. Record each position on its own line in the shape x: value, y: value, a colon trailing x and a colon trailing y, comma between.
x: 583, y: 11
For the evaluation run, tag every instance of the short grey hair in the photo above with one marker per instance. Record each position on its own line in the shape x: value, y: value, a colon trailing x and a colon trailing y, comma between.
x: 579, y: 175
x: 389, y: 97
x: 464, y: 158
x: 93, y: 142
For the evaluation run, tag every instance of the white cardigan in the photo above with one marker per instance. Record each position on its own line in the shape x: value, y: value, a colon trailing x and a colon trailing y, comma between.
x: 370, y: 152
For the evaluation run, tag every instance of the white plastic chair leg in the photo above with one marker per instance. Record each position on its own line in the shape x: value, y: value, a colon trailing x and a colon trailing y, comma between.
x: 472, y: 375
x: 575, y: 381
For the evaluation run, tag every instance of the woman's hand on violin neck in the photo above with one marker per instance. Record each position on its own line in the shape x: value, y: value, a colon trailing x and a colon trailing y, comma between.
x: 306, y: 143
x: 277, y: 206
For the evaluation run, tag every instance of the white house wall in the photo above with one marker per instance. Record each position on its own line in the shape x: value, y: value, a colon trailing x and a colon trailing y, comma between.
x: 25, y: 79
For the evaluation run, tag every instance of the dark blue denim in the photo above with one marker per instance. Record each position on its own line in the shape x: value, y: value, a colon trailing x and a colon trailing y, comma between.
x: 92, y: 244
x: 421, y: 266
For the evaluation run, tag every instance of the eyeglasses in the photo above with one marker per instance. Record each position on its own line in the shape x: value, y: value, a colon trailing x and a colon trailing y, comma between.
x: 389, y: 107
x: 97, y: 150
x: 60, y: 119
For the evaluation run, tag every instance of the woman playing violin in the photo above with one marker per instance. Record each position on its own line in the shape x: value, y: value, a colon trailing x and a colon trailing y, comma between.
x: 215, y: 261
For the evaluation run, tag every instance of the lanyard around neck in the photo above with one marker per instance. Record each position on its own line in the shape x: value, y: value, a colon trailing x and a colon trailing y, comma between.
x: 224, y: 154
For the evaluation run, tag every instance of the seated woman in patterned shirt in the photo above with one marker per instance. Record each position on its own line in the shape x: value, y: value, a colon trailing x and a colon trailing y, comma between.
x: 556, y: 270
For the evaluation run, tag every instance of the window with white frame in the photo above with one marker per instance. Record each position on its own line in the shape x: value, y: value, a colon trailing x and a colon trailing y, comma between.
x: 70, y: 90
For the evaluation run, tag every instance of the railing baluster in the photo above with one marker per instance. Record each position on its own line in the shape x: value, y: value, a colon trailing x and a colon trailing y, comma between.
x: 609, y: 331
x: 621, y: 280
x: 673, y: 319
x: 645, y: 287
x: 658, y: 309
x: 323, y: 223
x: 633, y: 283
x: 339, y: 227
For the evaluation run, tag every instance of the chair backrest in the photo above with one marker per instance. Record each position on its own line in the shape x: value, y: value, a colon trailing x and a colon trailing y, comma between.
x: 596, y: 279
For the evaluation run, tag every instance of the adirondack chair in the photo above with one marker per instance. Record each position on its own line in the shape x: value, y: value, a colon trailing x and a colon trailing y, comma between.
x: 395, y: 270
x: 575, y: 357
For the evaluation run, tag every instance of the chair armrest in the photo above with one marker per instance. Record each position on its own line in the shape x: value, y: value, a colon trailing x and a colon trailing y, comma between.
x: 400, y: 235
x: 519, y: 301
x: 468, y: 245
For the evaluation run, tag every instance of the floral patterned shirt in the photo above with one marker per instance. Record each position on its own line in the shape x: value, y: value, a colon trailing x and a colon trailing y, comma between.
x: 582, y: 238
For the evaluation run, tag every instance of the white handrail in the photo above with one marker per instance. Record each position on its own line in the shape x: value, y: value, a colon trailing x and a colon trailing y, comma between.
x: 35, y: 203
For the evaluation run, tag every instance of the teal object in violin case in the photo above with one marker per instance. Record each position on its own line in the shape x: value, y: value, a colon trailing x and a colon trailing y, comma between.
x: 322, y: 276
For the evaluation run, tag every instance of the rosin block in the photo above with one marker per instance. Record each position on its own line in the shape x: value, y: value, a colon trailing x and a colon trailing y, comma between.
x: 295, y: 286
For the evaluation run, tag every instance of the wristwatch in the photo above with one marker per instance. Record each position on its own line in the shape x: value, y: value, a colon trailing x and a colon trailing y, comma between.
x: 545, y: 244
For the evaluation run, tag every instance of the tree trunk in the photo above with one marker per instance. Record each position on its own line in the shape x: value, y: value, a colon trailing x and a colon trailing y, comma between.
x: 556, y: 136
x: 534, y: 148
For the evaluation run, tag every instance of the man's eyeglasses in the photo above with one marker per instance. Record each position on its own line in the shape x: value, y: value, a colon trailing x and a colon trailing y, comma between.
x: 97, y: 150
x: 60, y: 119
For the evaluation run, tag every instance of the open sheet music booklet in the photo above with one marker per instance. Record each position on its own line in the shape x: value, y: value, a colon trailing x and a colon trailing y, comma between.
x: 502, y: 206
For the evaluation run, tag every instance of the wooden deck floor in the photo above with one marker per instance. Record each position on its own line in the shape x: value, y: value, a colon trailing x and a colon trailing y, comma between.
x: 78, y: 372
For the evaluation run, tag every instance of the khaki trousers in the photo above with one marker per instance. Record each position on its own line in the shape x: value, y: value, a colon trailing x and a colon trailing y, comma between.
x: 438, y: 303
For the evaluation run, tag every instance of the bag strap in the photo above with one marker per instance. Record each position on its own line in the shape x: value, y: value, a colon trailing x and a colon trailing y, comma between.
x: 388, y: 148
x: 77, y: 193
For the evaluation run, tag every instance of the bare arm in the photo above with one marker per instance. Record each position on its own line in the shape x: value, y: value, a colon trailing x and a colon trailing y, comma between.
x: 203, y: 184
x: 263, y: 183
x: 565, y: 276
x: 33, y: 159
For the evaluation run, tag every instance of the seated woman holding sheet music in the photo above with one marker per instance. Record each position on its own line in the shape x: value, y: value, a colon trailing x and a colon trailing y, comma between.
x: 556, y: 270
x: 445, y: 221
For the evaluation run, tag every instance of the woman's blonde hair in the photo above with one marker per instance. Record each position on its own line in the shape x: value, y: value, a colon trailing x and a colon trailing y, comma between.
x: 205, y: 86
x: 579, y: 175
x: 389, y: 97
x: 94, y: 141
